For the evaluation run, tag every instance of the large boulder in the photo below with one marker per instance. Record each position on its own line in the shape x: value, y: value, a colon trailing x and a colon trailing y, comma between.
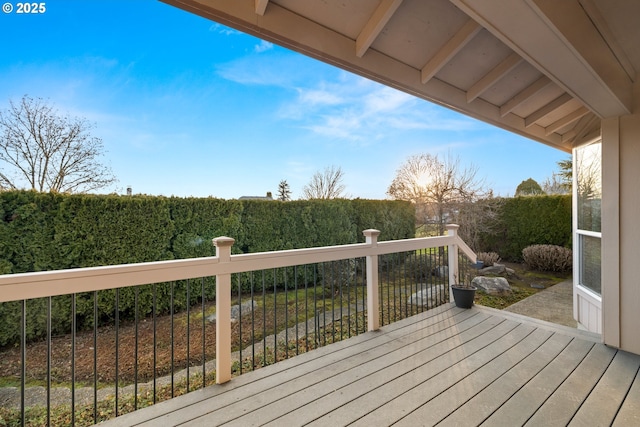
x: 492, y: 285
x: 429, y: 297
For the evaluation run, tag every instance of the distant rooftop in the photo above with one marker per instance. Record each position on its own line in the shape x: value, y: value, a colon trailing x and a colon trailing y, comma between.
x: 267, y: 197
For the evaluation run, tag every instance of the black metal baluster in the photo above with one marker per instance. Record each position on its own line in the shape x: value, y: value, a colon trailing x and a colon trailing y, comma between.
x: 48, y: 361
x: 135, y: 349
x: 253, y: 325
x: 295, y: 289
x: 117, y: 346
x: 95, y: 357
x: 171, y: 308
x: 204, y: 336
x: 340, y: 275
x: 286, y: 315
x: 324, y: 298
x: 315, y: 305
x: 73, y: 359
x: 240, y: 319
x: 155, y: 342
x: 264, y: 320
x: 188, y: 330
x: 275, y: 316
x: 332, y: 272
x: 348, y: 283
x: 306, y: 309
x: 23, y: 359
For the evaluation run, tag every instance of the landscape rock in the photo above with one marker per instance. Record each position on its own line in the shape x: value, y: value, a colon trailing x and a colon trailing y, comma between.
x: 492, y: 285
x: 441, y: 271
x: 428, y: 297
x: 244, y: 308
x: 494, y: 269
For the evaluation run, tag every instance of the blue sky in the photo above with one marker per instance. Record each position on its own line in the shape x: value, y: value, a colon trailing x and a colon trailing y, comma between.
x: 188, y: 107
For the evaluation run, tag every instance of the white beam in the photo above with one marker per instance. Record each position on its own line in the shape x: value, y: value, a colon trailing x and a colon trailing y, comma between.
x: 559, y: 39
x: 372, y: 28
x: 450, y: 49
x: 261, y: 6
x: 547, y: 109
x: 523, y: 96
x: 569, y: 118
x: 592, y: 123
x: 581, y: 128
x: 493, y: 76
x: 601, y: 24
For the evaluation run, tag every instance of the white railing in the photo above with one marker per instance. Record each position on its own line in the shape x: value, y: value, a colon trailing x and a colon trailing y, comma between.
x: 25, y: 286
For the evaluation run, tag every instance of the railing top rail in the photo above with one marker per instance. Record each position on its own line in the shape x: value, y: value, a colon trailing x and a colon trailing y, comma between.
x: 61, y: 282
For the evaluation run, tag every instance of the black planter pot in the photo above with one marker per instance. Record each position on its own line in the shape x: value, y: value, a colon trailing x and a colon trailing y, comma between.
x: 463, y: 297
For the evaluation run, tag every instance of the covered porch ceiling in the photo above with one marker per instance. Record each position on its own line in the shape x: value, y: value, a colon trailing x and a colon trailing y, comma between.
x: 545, y: 69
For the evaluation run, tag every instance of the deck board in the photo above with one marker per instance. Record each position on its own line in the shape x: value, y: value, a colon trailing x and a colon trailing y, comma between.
x: 531, y: 378
x: 447, y: 366
x: 606, y: 398
x: 532, y: 395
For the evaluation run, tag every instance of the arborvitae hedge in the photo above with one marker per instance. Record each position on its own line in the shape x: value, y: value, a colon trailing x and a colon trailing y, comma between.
x: 51, y: 232
x: 531, y: 220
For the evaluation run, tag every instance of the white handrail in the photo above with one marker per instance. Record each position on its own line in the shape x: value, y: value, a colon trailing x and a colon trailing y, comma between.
x: 14, y: 287
x: 51, y: 283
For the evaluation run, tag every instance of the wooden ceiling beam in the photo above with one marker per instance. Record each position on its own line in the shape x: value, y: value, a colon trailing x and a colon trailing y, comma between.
x: 261, y: 6
x: 493, y: 76
x: 449, y: 50
x: 587, y: 128
x: 564, y: 121
x: 374, y: 26
x: 603, y: 28
x: 547, y: 109
x: 568, y: 137
x: 524, y: 95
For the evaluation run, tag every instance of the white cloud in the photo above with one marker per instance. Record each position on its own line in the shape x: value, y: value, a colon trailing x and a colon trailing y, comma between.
x: 221, y: 29
x: 337, y: 104
x: 353, y: 108
x: 263, y: 46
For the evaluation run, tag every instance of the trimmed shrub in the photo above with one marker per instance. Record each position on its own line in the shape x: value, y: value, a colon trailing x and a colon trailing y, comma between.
x: 548, y: 258
x: 488, y: 258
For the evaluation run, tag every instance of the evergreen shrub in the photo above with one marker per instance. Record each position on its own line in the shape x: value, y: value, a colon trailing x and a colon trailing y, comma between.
x: 40, y: 232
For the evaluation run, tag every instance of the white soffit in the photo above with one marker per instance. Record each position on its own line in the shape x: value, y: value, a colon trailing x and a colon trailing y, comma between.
x: 514, y: 64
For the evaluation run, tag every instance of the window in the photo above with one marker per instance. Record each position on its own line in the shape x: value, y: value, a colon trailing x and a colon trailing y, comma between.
x: 588, y: 194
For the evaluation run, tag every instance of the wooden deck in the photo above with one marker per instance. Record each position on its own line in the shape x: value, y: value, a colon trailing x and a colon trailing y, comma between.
x: 448, y: 366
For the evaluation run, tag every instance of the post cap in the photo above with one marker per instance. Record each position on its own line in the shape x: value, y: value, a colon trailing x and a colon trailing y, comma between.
x: 223, y: 241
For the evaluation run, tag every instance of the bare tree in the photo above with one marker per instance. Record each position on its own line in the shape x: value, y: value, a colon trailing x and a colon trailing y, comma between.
x: 440, y: 188
x: 325, y: 185
x: 556, y: 184
x: 560, y: 182
x: 284, y: 192
x: 44, y: 151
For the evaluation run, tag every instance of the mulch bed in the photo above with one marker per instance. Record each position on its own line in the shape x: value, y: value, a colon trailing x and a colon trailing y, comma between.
x: 61, y: 348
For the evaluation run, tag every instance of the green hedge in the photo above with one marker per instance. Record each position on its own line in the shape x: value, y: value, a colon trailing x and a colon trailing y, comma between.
x: 51, y: 232
x: 530, y: 220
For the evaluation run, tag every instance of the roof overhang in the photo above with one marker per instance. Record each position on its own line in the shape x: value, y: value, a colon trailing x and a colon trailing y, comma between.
x: 545, y: 69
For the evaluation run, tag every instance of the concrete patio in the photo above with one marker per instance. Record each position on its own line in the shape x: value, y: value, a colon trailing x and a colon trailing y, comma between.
x: 554, y: 304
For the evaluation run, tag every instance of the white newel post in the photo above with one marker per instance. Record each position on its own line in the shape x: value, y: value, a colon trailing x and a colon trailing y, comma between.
x: 223, y: 312
x: 452, y: 230
x: 373, y: 306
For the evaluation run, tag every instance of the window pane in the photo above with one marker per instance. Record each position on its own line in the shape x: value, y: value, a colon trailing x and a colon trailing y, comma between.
x: 588, y: 169
x: 590, y: 263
